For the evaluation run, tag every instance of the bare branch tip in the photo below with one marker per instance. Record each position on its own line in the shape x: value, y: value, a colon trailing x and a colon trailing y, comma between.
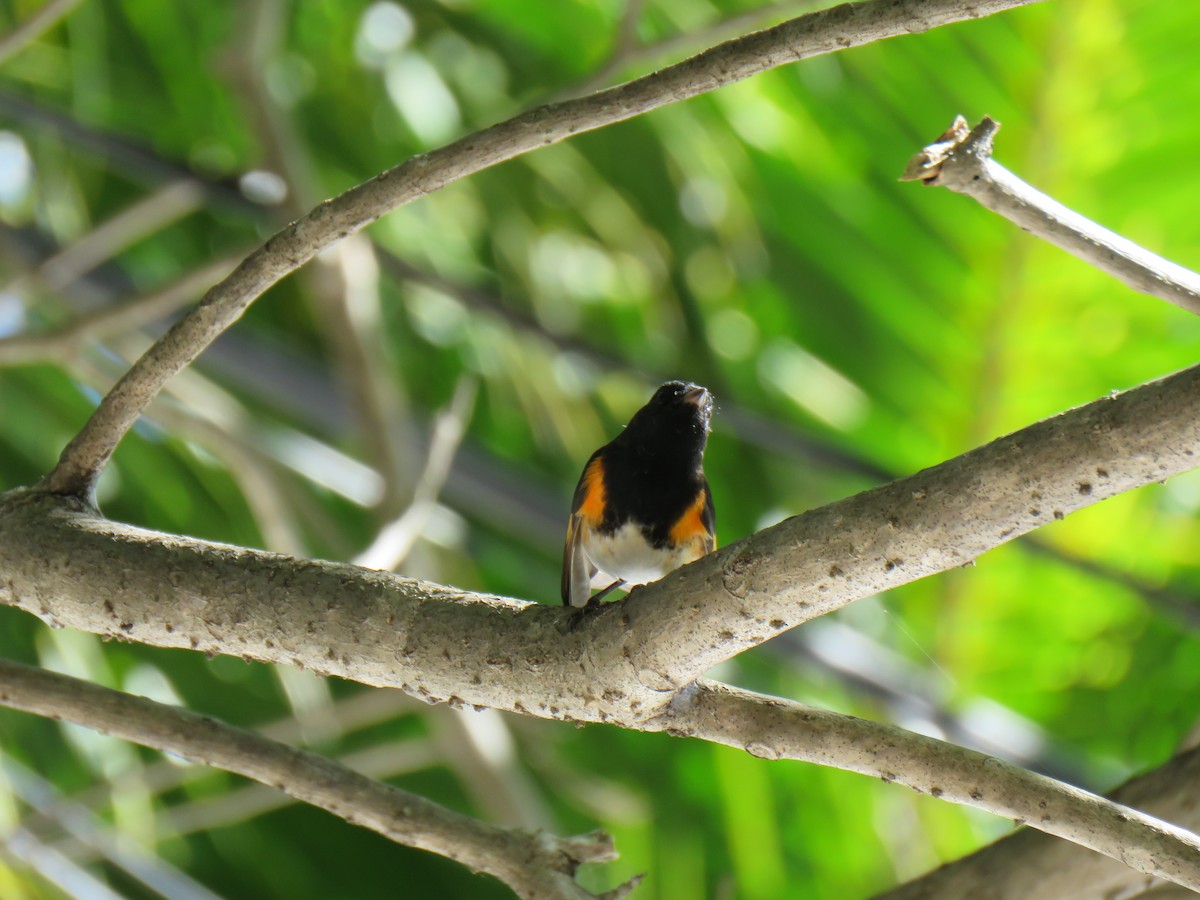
x: 624, y: 890
x: 593, y: 847
x: 979, y: 141
x: 926, y: 166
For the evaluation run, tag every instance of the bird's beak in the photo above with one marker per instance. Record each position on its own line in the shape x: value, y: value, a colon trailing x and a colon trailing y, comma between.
x: 698, y: 397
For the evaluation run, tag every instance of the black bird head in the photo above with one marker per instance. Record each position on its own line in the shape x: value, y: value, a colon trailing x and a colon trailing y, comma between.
x: 674, y: 423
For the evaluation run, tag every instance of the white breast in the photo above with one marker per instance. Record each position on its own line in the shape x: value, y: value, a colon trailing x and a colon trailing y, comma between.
x: 627, y: 556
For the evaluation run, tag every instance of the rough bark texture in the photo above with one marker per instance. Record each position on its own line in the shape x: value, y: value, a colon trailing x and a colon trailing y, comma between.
x: 626, y: 662
x: 66, y: 564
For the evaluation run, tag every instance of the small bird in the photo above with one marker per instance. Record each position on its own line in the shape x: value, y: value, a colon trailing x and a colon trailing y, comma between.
x: 642, y: 507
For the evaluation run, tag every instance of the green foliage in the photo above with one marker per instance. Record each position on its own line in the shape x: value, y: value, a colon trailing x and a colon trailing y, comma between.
x: 755, y: 240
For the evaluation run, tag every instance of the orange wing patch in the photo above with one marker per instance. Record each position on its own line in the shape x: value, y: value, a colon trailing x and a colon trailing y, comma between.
x: 691, y: 525
x: 594, y: 493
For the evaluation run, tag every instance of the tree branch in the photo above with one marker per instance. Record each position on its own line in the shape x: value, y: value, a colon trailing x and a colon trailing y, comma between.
x: 774, y: 728
x: 533, y: 865
x: 825, y: 31
x: 961, y: 160
x: 624, y: 663
x: 63, y: 343
x: 395, y: 540
x: 117, y: 580
x: 937, y: 519
x: 1035, y: 866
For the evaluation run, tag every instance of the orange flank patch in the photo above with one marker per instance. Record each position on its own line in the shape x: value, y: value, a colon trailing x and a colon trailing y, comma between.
x: 690, y: 526
x: 594, y: 493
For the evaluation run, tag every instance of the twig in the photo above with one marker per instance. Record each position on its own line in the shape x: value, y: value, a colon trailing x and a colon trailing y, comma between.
x: 395, y: 540
x: 74, y: 880
x: 63, y: 343
x: 533, y: 865
x: 33, y: 27
x: 344, y: 286
x: 151, y: 213
x: 961, y: 160
x: 772, y: 728
x: 826, y: 31
x: 87, y: 828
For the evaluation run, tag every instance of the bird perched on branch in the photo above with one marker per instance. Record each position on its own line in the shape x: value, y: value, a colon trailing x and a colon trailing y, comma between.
x: 642, y: 507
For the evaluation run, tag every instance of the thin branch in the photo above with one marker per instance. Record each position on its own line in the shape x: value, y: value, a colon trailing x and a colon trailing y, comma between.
x: 63, y: 343
x: 1035, y: 866
x: 87, y: 828
x: 344, y: 285
x: 209, y: 812
x: 34, y: 27
x: 533, y: 865
x: 395, y: 540
x: 961, y: 160
x: 826, y: 31
x: 773, y: 728
x: 60, y: 871
x: 148, y: 215
x: 626, y: 52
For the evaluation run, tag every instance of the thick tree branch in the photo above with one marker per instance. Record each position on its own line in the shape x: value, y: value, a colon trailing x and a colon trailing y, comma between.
x: 961, y: 160
x: 825, y: 31
x: 937, y: 519
x: 774, y: 728
x: 623, y: 663
x: 63, y: 562
x: 533, y: 865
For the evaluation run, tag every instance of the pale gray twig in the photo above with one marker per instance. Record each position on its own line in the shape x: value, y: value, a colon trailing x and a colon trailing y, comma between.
x: 961, y: 160
x: 87, y: 828
x: 396, y: 539
x: 63, y: 344
x: 50, y: 13
x: 151, y: 213
x: 825, y: 31
x: 345, y: 284
x: 71, y: 878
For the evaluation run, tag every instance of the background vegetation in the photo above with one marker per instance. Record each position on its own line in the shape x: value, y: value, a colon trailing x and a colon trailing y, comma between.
x: 755, y: 240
